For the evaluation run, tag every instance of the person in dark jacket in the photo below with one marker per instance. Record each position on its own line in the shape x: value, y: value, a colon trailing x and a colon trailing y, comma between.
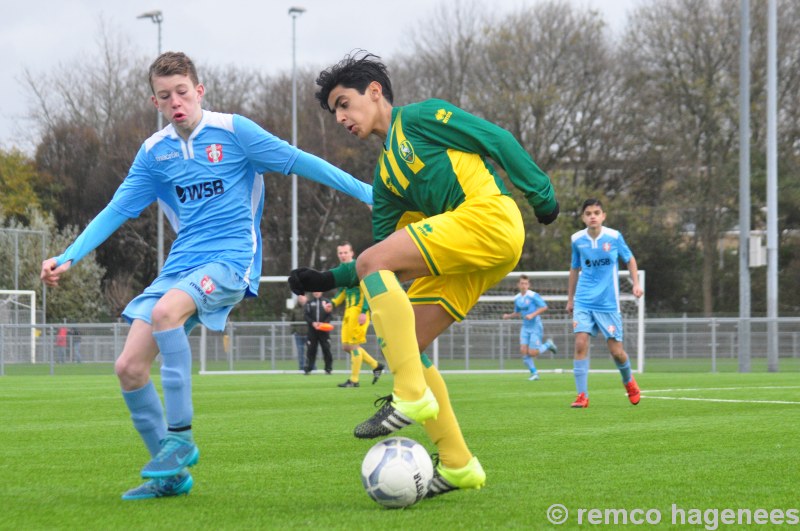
x: 316, y: 311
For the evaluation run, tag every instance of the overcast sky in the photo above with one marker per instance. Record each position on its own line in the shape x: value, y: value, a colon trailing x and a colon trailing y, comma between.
x: 40, y: 34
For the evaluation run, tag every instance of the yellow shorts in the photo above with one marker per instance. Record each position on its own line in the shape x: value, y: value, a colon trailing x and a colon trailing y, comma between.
x: 352, y: 332
x: 468, y: 250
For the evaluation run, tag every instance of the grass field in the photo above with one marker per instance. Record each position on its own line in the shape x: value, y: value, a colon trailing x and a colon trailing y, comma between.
x: 602, y: 362
x: 277, y: 452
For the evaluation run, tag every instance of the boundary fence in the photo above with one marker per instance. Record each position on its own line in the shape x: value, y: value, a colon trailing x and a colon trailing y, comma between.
x: 679, y: 345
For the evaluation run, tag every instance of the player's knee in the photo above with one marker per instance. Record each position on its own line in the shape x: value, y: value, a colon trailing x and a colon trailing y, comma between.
x: 619, y: 354
x: 164, y: 317
x: 131, y: 372
x: 366, y: 263
x: 581, y: 341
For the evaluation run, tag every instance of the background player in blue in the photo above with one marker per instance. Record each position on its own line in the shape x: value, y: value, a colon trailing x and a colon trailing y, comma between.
x: 594, y: 296
x: 205, y: 169
x: 529, y: 305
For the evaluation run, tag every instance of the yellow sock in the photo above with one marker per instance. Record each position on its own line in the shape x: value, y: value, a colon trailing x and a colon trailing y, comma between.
x: 355, y: 365
x: 444, y: 430
x: 393, y: 320
x: 369, y: 360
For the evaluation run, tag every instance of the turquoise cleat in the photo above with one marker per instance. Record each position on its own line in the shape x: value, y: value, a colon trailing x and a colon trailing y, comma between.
x: 161, y: 487
x: 176, y: 454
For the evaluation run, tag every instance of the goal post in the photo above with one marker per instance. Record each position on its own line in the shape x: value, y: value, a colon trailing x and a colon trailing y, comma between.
x: 553, y: 286
x: 18, y: 324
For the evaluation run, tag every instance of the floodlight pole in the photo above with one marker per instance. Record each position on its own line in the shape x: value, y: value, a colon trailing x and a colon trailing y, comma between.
x: 772, y: 187
x: 744, y: 190
x: 157, y: 17
x: 294, y: 12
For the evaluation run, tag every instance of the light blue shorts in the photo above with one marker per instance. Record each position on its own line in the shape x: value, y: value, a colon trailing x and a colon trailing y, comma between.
x: 215, y: 288
x: 532, y: 337
x: 590, y: 321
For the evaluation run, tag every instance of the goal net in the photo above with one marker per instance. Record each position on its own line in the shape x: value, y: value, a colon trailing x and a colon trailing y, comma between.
x: 17, y: 326
x: 553, y: 286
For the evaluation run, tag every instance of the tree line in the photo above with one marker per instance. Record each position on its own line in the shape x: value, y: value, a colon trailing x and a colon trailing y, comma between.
x: 646, y: 120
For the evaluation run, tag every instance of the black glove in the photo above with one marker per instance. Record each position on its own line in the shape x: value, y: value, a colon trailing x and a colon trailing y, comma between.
x: 547, y: 219
x: 305, y: 279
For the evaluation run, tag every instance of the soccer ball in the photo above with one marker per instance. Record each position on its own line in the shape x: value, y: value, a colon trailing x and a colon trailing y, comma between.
x: 396, y: 472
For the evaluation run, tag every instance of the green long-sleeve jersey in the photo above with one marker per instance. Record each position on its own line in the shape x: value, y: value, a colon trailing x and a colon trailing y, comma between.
x: 434, y: 158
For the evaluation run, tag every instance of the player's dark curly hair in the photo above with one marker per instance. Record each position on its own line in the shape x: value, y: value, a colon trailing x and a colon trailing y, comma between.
x: 591, y: 202
x: 357, y: 70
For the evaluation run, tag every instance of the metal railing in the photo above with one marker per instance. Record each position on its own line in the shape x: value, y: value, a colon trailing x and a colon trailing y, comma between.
x: 681, y: 344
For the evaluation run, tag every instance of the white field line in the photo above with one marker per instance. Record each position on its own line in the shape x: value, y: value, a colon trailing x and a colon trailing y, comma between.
x: 719, y: 400
x: 646, y: 394
x: 719, y: 388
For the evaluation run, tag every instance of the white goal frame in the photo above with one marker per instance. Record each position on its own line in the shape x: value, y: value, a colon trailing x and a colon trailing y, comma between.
x: 624, y: 297
x: 32, y: 312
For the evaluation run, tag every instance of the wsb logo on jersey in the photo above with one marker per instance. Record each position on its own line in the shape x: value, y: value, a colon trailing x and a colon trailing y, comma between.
x: 598, y: 263
x: 200, y: 190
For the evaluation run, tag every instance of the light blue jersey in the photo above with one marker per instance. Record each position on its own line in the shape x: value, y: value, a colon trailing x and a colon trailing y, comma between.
x: 527, y: 304
x: 598, y: 262
x: 212, y: 192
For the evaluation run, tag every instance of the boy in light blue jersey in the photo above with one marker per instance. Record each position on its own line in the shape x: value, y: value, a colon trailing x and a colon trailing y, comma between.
x: 205, y: 169
x: 594, y: 296
x: 529, y: 305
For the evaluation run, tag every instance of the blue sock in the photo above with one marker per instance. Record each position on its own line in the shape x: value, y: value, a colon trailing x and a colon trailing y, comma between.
x: 581, y: 371
x: 176, y: 376
x: 548, y: 345
x: 624, y: 370
x: 147, y: 415
x: 528, y: 361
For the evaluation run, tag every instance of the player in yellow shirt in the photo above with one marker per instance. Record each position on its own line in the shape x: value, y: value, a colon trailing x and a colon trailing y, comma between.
x: 442, y: 217
x: 354, y: 324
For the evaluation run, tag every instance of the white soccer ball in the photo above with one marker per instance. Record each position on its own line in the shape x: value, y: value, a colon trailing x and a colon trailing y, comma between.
x: 396, y: 472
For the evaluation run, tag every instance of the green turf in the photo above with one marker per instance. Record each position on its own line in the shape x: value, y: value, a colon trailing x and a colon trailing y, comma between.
x: 277, y: 452
x: 545, y: 363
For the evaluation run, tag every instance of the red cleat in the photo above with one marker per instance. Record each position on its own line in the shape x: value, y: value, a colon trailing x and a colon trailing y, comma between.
x: 581, y: 402
x: 634, y: 395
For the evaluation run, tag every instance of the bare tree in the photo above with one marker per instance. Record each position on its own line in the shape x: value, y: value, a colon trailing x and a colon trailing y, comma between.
x: 441, y: 62
x: 93, y: 114
x: 544, y: 77
x: 682, y: 78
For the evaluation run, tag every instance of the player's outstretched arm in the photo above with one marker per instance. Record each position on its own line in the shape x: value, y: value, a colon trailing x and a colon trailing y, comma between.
x: 472, y: 134
x: 95, y: 233
x: 305, y: 279
x: 316, y: 169
x: 51, y: 271
x: 547, y: 219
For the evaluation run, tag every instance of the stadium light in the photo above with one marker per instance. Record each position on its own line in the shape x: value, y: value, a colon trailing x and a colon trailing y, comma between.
x: 294, y: 12
x: 157, y: 18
